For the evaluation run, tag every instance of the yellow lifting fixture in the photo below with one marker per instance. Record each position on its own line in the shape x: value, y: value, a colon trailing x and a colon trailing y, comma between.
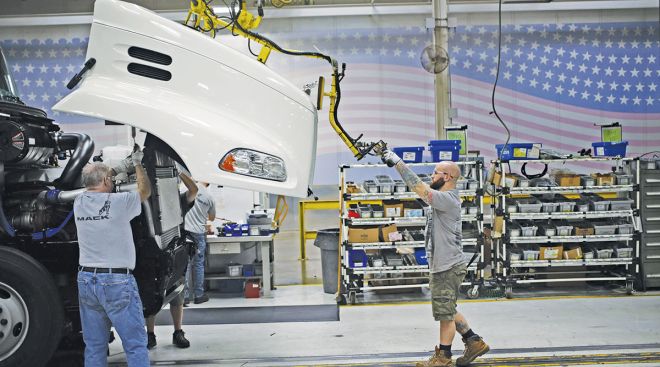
x: 241, y: 22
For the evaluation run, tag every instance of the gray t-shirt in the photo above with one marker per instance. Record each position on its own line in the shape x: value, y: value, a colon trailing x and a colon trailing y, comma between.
x: 104, y: 230
x: 444, y: 249
x: 197, y: 215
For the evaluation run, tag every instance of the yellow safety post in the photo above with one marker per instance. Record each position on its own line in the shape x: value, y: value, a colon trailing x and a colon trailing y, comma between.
x: 310, y: 235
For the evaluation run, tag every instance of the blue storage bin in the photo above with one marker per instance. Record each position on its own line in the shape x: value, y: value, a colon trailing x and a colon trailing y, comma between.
x: 514, y: 151
x: 357, y: 259
x: 441, y: 153
x: 409, y: 154
x: 445, y: 142
x: 248, y: 270
x: 420, y: 256
x: 609, y: 149
x: 444, y: 150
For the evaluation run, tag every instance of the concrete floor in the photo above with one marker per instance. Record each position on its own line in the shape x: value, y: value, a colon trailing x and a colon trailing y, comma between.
x: 552, y: 331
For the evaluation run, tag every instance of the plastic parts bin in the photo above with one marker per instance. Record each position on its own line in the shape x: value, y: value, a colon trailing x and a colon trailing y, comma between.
x: 445, y: 152
x: 515, y: 151
x: 623, y: 179
x: 549, y: 206
x: 604, y: 228
x: 605, y: 253
x: 609, y: 149
x: 625, y: 228
x: 530, y: 255
x: 563, y: 229
x: 409, y: 154
x: 531, y: 205
x: 547, y: 229
x: 400, y: 186
x: 587, y: 180
x: 370, y: 186
x: 621, y: 204
x: 364, y: 211
x: 566, y: 205
x: 357, y: 258
x: 623, y: 252
x: 528, y: 229
x: 385, y: 184
x: 420, y: 256
x: 599, y: 205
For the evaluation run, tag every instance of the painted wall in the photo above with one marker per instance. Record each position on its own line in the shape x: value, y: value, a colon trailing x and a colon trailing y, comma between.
x: 387, y: 95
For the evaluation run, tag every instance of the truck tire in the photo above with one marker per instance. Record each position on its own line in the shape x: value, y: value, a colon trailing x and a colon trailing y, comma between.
x: 31, y: 311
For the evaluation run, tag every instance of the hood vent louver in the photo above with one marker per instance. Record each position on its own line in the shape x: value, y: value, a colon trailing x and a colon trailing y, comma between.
x: 149, y: 72
x: 149, y: 55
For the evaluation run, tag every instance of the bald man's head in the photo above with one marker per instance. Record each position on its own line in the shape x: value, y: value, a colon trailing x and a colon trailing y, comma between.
x: 445, y: 175
x: 451, y: 168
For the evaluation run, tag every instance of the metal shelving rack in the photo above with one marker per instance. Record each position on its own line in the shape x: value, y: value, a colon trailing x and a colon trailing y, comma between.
x: 607, y: 269
x: 355, y: 280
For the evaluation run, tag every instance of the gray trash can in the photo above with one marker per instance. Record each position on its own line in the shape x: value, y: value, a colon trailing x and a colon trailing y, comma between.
x: 328, y: 241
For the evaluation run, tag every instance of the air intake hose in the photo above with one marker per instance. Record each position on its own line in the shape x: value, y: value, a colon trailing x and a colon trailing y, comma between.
x: 83, y: 148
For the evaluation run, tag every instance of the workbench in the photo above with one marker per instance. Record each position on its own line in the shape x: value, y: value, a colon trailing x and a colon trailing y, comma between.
x: 236, y: 249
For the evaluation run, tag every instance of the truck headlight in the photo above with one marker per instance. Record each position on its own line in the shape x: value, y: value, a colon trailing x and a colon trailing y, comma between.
x: 252, y: 163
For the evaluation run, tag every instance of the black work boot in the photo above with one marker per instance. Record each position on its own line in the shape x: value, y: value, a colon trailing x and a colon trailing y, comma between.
x: 179, y: 339
x: 203, y: 298
x: 151, y: 340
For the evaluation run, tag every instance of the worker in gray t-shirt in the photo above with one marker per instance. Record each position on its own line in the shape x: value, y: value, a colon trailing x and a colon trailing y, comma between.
x: 445, y: 255
x: 203, y: 210
x: 107, y: 291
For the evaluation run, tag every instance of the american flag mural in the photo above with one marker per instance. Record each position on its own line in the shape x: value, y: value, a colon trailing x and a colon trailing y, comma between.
x: 556, y: 82
x: 41, y: 68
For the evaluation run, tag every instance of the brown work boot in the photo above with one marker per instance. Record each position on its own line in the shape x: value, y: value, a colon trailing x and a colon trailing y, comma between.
x: 474, y: 347
x: 438, y: 359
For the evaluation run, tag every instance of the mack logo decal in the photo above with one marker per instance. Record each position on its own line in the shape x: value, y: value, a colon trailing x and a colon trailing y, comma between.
x: 96, y: 217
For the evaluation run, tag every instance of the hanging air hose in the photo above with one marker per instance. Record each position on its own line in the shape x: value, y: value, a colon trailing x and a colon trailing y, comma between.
x: 204, y: 14
x: 538, y: 175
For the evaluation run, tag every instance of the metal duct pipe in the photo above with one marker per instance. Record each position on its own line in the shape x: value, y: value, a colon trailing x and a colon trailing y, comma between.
x: 59, y: 197
x: 83, y: 147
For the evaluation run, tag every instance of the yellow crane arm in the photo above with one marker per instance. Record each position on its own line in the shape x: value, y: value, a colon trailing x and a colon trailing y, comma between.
x: 241, y: 23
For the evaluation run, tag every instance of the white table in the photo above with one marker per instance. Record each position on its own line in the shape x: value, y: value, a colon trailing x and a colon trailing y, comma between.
x: 234, y: 245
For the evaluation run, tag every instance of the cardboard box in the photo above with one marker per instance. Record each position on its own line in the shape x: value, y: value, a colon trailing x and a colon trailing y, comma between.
x: 567, y: 179
x: 393, y: 209
x: 509, y: 180
x: 573, y: 254
x: 583, y: 230
x: 385, y: 232
x: 603, y: 179
x: 363, y: 234
x: 550, y: 252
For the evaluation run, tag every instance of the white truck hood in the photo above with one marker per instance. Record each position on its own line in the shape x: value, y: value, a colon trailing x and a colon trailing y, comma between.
x: 200, y: 97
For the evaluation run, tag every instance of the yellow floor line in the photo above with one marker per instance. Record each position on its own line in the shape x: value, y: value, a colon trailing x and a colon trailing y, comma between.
x: 561, y: 360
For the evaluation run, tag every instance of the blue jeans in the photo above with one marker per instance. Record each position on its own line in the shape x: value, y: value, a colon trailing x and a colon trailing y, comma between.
x: 111, y: 300
x: 196, y: 267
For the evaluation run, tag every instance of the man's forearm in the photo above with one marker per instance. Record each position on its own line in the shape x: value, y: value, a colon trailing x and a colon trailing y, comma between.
x: 413, y: 181
x: 190, y: 185
x: 144, y: 186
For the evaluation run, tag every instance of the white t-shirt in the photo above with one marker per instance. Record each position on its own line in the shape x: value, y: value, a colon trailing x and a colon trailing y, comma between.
x: 104, y: 230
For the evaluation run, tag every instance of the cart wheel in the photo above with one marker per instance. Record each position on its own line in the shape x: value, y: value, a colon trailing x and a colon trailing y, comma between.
x: 630, y: 287
x: 473, y: 293
x: 341, y: 299
x: 508, y: 291
x: 352, y: 297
